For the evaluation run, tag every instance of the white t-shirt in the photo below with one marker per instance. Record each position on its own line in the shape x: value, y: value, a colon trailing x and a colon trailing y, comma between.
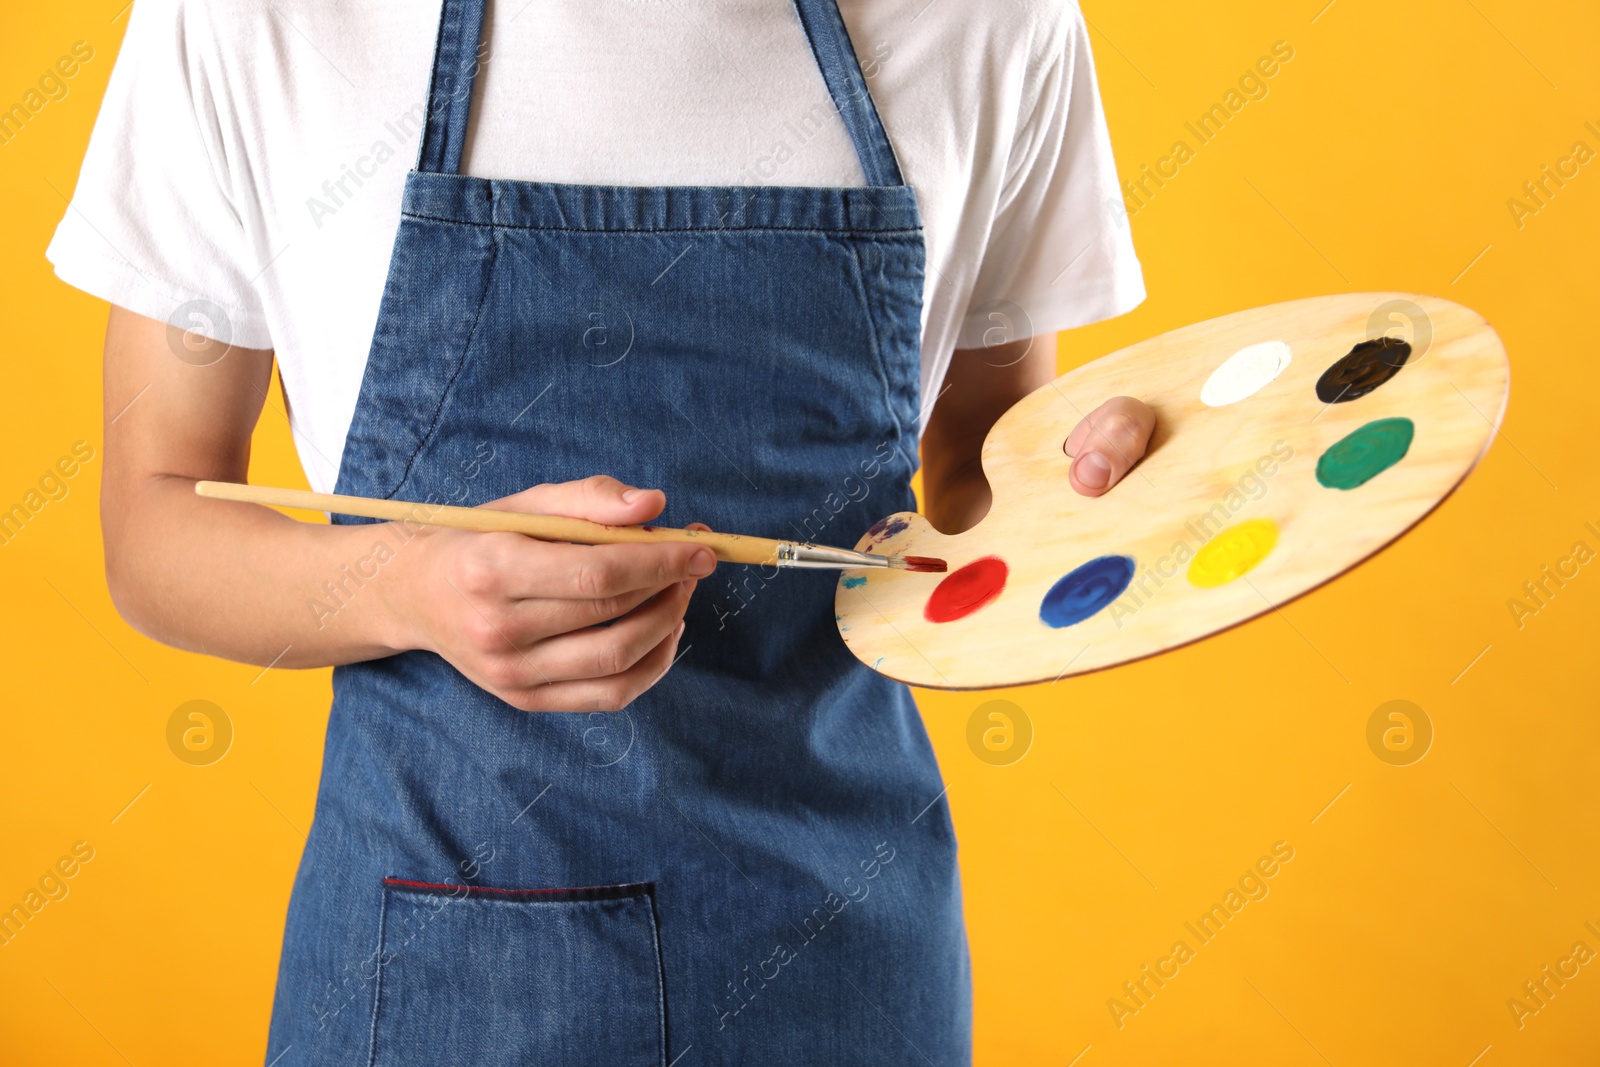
x: 253, y: 155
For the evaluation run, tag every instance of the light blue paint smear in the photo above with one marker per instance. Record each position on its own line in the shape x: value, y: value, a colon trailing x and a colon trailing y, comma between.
x: 855, y: 583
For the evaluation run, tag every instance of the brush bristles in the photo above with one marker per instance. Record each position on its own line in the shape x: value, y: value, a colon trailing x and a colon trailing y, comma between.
x: 919, y: 564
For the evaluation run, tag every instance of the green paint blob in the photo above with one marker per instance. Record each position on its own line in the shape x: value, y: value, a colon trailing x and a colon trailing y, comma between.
x: 1366, y: 453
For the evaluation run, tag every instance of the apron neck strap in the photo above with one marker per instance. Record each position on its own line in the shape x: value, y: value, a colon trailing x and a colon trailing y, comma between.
x: 836, y: 57
x: 455, y: 69
x: 456, y: 63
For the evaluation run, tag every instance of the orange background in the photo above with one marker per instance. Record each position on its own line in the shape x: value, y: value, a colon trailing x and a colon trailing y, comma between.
x: 1415, y: 905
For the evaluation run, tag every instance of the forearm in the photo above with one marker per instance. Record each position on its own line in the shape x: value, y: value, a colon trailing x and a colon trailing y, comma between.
x: 516, y: 616
x: 233, y: 580
x: 981, y: 385
x: 247, y: 583
x: 956, y: 495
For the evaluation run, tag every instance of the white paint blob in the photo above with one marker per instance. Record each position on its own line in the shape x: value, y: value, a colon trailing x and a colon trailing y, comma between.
x: 1245, y: 373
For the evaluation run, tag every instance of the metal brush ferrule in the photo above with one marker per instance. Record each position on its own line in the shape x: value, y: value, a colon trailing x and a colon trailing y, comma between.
x: 819, y: 558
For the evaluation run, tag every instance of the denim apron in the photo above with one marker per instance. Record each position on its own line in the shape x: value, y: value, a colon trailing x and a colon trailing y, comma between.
x: 751, y: 864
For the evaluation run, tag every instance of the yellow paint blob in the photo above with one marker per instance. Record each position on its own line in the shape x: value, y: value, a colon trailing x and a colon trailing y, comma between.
x: 1233, y: 553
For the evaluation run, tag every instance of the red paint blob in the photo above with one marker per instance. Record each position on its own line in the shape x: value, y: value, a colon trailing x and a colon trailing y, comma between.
x: 967, y: 589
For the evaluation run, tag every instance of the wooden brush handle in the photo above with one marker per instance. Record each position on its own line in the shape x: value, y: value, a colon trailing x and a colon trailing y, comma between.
x: 729, y: 548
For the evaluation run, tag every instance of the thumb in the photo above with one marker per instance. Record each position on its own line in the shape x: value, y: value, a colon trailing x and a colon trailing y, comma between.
x: 1106, y: 444
x: 598, y: 499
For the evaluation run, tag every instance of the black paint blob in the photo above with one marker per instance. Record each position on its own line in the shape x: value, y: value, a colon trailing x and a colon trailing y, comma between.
x: 1369, y: 365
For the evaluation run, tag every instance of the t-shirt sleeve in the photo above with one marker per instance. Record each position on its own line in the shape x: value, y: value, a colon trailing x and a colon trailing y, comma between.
x: 1060, y: 251
x: 154, y: 225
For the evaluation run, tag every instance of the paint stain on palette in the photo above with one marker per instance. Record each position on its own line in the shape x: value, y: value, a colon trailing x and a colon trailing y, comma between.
x: 1292, y: 442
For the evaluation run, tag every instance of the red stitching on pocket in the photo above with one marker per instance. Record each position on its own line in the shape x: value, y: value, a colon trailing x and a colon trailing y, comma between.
x: 601, y: 892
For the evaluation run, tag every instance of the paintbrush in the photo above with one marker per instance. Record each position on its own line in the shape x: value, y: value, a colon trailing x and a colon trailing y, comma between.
x: 729, y: 548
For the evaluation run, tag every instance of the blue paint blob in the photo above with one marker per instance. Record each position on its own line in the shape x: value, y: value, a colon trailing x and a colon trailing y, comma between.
x: 1086, y: 591
x: 854, y: 583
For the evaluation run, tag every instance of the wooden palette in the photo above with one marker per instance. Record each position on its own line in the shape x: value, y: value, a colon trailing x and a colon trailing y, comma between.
x: 1254, y: 490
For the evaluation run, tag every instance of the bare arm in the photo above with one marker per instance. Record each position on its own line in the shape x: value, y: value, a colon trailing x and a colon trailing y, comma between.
x: 981, y: 385
x: 242, y: 581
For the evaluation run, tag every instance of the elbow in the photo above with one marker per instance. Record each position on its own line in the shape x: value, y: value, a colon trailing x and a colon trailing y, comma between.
x: 124, y: 589
x: 132, y: 592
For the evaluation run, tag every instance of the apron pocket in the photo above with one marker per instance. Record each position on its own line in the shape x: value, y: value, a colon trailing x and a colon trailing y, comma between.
x: 491, y: 977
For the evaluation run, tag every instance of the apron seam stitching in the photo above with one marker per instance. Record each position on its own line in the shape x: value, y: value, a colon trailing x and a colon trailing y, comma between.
x: 461, y: 364
x: 377, y: 986
x: 661, y: 975
x: 858, y: 276
x: 851, y: 231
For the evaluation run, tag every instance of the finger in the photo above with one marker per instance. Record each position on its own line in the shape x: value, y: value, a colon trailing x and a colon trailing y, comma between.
x: 601, y: 694
x: 600, y: 652
x: 504, y: 632
x: 598, y: 499
x: 1078, y: 439
x: 514, y: 567
x: 517, y: 625
x: 1107, y: 444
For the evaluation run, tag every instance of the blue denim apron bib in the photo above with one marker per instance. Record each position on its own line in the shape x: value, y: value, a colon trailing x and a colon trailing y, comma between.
x: 749, y: 864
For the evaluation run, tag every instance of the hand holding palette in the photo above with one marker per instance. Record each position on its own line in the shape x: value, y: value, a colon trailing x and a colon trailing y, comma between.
x: 1291, y: 442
